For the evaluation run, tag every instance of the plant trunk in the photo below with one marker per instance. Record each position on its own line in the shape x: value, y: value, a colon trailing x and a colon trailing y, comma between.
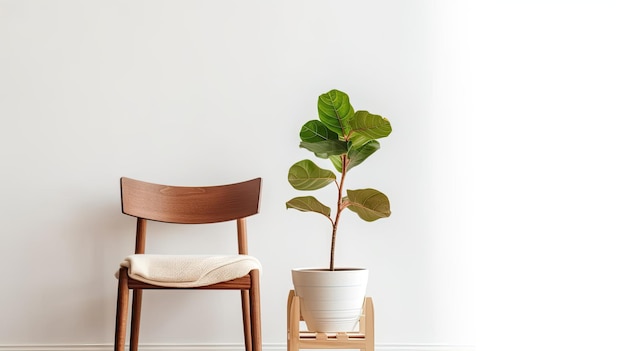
x: 332, y: 248
x: 344, y: 164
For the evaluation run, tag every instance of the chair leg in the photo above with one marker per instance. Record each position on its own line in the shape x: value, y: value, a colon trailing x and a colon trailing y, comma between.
x: 135, y: 319
x: 255, y: 313
x: 245, y: 308
x: 122, y: 310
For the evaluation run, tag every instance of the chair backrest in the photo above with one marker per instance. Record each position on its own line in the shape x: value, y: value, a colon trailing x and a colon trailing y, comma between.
x: 190, y: 205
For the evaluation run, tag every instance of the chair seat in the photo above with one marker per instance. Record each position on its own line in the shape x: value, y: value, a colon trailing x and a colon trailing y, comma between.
x: 188, y: 271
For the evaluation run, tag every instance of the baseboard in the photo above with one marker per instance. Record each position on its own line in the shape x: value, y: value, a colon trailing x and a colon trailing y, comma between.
x: 220, y: 347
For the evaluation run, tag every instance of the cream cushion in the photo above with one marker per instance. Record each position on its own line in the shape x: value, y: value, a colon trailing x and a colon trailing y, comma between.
x: 187, y: 271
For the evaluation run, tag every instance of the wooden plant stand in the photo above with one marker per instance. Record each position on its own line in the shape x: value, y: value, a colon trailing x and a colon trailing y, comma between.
x: 298, y: 339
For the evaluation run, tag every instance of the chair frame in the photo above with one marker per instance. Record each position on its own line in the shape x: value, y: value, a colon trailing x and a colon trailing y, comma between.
x: 208, y: 204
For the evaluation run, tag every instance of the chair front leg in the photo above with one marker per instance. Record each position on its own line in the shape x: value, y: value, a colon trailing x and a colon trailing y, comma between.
x: 245, y: 309
x: 135, y: 319
x: 122, y: 310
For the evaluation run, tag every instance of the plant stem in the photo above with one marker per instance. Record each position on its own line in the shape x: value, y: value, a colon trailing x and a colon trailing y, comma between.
x: 332, y: 245
x: 344, y: 166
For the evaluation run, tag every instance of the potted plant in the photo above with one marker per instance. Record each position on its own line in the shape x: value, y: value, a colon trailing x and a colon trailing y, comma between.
x: 346, y: 138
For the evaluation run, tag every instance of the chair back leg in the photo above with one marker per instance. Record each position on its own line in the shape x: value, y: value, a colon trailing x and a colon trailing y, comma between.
x: 255, y: 313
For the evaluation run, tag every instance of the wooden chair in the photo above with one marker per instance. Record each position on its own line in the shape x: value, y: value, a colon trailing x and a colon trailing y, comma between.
x: 189, y: 205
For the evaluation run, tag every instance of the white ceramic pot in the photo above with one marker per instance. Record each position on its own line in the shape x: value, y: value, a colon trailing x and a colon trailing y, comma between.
x: 330, y: 301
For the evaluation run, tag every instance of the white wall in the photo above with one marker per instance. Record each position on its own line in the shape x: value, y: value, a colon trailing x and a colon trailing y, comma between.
x: 196, y: 92
x: 549, y: 120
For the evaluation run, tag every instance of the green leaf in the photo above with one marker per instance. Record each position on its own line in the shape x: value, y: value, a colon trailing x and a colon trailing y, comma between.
x: 369, y: 204
x: 366, y: 126
x: 314, y: 131
x: 356, y: 156
x: 326, y: 148
x: 306, y: 175
x: 308, y: 204
x: 335, y: 111
x: 336, y: 160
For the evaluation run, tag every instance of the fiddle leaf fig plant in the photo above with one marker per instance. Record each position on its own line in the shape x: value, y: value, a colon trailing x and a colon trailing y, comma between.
x: 346, y: 138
